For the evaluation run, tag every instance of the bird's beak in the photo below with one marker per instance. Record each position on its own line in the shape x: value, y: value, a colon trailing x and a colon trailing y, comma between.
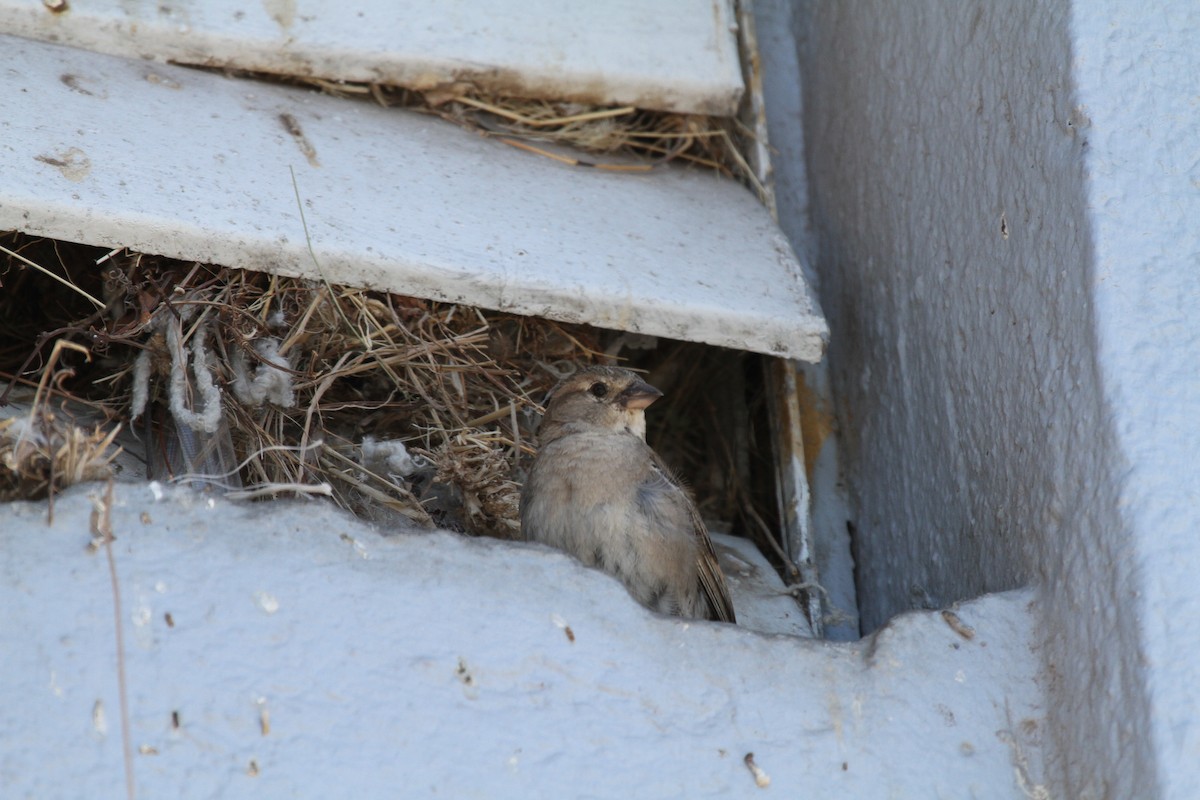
x: 638, y: 395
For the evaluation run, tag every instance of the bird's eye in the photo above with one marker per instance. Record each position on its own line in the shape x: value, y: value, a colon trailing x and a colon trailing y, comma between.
x: 598, y: 389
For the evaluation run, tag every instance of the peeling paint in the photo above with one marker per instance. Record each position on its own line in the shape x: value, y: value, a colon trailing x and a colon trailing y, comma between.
x: 816, y: 423
x: 671, y: 55
x: 72, y: 163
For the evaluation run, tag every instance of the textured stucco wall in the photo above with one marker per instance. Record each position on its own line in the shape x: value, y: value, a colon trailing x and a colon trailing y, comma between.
x: 947, y: 193
x: 1138, y: 75
x: 1005, y: 200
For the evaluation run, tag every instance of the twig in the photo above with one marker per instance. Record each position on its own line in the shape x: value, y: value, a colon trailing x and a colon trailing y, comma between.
x: 312, y: 253
x: 257, y: 454
x: 50, y: 274
x: 103, y: 533
x: 272, y: 489
x: 498, y: 414
x: 573, y: 161
x: 544, y: 123
x: 35, y: 411
x: 793, y: 570
x: 322, y: 387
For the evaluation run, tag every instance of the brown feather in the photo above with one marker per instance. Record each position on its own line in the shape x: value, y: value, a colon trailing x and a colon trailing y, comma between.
x: 712, y: 579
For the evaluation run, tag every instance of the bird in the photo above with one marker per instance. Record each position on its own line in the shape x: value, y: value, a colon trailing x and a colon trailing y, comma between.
x: 598, y: 491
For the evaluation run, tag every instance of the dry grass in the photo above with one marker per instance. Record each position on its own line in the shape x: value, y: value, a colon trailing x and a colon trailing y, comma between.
x: 648, y: 138
x: 458, y: 387
x: 41, y: 452
x: 405, y: 411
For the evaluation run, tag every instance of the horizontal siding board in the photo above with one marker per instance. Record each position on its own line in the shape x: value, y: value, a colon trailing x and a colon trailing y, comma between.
x: 162, y: 159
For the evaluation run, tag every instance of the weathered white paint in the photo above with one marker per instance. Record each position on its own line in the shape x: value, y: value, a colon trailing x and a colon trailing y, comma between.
x: 676, y: 55
x: 172, y: 161
x: 305, y: 655
x: 1005, y: 200
x: 760, y: 599
x: 782, y: 100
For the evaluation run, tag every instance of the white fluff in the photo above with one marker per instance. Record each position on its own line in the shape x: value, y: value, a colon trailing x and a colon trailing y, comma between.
x: 390, y: 457
x: 179, y: 393
x: 141, y: 384
x: 272, y: 382
x: 209, y: 418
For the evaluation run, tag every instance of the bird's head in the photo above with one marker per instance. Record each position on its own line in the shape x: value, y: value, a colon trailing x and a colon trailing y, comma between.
x: 608, y: 398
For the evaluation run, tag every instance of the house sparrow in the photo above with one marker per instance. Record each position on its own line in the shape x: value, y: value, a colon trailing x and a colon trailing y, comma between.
x: 598, y: 491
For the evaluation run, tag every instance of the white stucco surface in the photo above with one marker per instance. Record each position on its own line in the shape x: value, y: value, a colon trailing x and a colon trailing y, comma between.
x: 1005, y: 201
x: 1139, y: 111
x: 173, y: 161
x: 676, y: 55
x: 302, y: 654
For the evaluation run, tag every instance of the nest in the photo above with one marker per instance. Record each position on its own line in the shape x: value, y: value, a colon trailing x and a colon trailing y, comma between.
x: 264, y: 386
x: 404, y: 411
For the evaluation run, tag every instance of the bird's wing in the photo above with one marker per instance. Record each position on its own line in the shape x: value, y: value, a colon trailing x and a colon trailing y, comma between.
x: 712, y: 580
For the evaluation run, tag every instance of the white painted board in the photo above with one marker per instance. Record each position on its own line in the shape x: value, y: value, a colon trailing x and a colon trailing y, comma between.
x: 760, y: 599
x: 674, y: 55
x: 283, y: 649
x: 172, y: 161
